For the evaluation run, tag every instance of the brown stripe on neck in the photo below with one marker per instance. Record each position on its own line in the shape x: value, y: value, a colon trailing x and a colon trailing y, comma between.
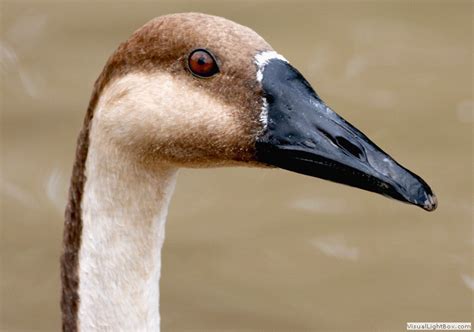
x: 73, y: 227
x: 73, y: 215
x: 116, y: 66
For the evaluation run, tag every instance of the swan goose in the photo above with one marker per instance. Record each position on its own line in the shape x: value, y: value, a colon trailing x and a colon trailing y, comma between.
x: 190, y: 90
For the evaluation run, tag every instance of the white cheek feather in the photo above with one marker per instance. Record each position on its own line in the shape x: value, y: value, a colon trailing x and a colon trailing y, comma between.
x: 261, y: 60
x: 264, y: 113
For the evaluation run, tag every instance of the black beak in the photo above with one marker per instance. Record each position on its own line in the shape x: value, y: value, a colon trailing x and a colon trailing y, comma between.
x: 303, y: 135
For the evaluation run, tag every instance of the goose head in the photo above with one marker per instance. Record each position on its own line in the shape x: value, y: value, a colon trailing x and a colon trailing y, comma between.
x: 193, y: 90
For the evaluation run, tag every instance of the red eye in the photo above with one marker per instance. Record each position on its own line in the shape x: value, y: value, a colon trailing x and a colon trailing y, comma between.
x: 202, y: 63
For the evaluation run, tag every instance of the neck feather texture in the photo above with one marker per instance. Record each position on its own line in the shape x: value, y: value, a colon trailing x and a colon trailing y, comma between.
x: 123, y: 212
x: 114, y: 233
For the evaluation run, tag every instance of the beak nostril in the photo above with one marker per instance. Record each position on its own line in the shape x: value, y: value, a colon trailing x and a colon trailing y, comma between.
x: 329, y: 137
x: 350, y: 147
x: 344, y: 144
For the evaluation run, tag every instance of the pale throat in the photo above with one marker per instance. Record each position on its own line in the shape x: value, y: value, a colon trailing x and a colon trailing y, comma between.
x: 124, y: 210
x: 142, y: 124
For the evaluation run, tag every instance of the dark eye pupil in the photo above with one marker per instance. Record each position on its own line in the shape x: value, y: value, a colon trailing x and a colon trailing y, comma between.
x: 202, y: 63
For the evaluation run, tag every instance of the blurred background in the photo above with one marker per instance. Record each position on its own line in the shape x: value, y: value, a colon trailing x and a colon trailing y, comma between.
x: 251, y: 249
